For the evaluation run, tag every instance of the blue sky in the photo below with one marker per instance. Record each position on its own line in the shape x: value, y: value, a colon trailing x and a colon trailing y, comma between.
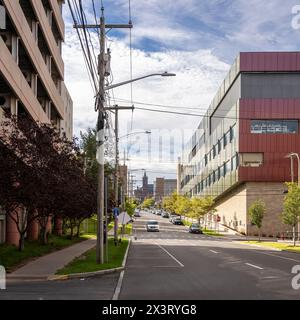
x: 198, y: 40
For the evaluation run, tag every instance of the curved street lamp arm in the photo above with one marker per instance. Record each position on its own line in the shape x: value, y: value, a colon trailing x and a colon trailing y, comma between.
x: 165, y: 74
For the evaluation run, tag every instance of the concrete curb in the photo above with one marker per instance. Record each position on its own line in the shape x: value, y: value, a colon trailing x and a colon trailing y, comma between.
x: 120, y: 281
x: 258, y: 246
x: 91, y: 274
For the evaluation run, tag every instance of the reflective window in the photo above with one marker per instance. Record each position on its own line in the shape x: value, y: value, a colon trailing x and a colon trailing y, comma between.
x: 219, y: 146
x: 274, y: 126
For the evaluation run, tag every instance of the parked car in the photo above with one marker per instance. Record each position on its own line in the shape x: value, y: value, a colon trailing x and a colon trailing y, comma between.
x: 195, y: 228
x: 137, y: 213
x: 165, y: 214
x: 152, y: 225
x: 172, y: 216
x: 177, y: 221
x: 158, y: 212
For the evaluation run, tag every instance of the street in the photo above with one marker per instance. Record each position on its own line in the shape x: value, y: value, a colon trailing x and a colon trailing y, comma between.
x: 173, y: 264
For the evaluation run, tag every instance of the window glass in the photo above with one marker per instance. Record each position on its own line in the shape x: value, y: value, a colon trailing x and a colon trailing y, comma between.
x: 227, y: 167
x: 214, y: 151
x: 219, y: 146
x: 274, y: 126
x: 224, y: 141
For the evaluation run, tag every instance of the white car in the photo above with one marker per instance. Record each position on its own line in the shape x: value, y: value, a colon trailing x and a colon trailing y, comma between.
x: 152, y: 225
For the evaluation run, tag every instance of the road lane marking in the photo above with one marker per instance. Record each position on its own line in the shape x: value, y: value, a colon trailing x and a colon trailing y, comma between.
x: 254, y: 266
x: 275, y: 255
x: 213, y: 251
x: 118, y: 288
x: 166, y: 251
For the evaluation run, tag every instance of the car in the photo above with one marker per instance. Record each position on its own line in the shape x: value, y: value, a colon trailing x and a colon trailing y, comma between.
x: 136, y: 214
x: 165, y: 214
x: 152, y: 225
x: 158, y: 212
x: 177, y: 221
x: 195, y: 228
x: 172, y: 216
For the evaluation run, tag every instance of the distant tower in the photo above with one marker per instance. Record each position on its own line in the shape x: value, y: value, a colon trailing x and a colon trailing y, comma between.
x: 145, y: 181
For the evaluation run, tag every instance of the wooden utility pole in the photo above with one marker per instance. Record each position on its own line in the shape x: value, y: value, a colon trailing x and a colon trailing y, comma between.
x: 100, y: 128
x: 116, y: 108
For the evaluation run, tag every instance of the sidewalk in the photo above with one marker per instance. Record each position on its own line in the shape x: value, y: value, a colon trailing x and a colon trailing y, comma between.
x: 47, y: 265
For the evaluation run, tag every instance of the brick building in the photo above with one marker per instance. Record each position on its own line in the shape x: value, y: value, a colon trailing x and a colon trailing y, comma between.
x: 32, y: 73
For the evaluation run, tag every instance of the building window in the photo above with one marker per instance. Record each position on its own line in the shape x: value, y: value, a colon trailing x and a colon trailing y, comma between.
x: 214, y: 177
x: 214, y: 151
x: 219, y: 173
x: 227, y: 167
x: 250, y: 159
x: 234, y: 163
x: 232, y: 133
x: 224, y: 141
x: 219, y: 146
x: 274, y: 126
x: 205, y: 160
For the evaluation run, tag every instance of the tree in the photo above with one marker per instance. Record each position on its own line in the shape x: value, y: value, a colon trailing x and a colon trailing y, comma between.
x: 169, y: 202
x: 147, y: 203
x: 291, y: 207
x: 256, y: 214
x: 183, y: 205
x: 130, y: 206
x: 41, y: 176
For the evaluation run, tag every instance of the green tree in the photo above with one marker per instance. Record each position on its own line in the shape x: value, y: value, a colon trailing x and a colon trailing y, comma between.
x: 183, y: 205
x: 201, y: 206
x: 291, y: 207
x: 147, y: 203
x: 130, y: 206
x: 169, y: 202
x: 256, y: 213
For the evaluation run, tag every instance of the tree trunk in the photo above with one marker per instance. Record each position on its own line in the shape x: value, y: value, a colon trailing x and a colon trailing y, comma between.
x: 294, y: 236
x: 21, y: 242
x: 259, y: 235
x: 43, y: 235
x: 78, y: 229
x: 72, y: 230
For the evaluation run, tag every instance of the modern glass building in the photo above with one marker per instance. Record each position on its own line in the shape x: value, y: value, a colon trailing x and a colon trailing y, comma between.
x: 238, y: 152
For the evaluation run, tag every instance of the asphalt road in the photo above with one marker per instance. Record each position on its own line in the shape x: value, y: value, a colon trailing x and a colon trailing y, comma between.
x: 173, y: 264
x: 97, y: 288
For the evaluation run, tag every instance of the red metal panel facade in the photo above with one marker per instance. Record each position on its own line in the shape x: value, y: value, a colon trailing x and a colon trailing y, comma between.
x: 269, y: 61
x: 276, y: 168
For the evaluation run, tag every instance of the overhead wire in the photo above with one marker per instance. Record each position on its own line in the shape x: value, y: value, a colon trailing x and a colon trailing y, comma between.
x: 75, y: 13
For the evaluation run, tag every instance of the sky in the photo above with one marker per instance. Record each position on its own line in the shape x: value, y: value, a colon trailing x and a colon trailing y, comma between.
x: 196, y: 39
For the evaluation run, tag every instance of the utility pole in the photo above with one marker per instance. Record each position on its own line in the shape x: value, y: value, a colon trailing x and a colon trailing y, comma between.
x: 102, y: 62
x: 116, y: 108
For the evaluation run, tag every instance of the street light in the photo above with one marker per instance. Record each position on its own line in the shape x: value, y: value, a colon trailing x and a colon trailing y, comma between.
x: 133, y: 133
x: 291, y: 156
x: 164, y: 74
x: 100, y: 126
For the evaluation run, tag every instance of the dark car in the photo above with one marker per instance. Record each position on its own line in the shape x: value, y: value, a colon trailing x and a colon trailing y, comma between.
x: 195, y: 228
x: 177, y: 221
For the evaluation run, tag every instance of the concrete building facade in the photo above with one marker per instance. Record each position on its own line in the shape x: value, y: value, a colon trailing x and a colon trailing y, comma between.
x: 237, y: 154
x: 164, y: 187
x: 32, y: 71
